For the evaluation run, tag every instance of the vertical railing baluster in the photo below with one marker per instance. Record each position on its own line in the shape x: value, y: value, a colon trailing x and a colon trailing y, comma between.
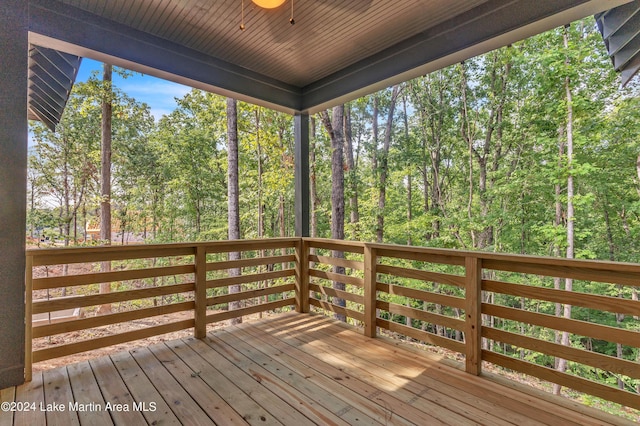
x: 200, y: 314
x: 473, y: 315
x: 370, y: 291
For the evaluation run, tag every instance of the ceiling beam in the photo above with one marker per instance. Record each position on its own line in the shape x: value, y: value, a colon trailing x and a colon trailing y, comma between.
x: 58, y: 26
x: 489, y: 26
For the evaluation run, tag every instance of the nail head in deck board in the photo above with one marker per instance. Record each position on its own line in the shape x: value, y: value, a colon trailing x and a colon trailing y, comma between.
x: 115, y: 391
x: 143, y: 391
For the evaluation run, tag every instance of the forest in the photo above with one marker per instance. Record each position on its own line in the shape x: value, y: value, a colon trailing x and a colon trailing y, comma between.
x: 532, y: 149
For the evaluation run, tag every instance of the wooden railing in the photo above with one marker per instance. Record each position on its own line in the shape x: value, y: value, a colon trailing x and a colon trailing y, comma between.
x: 161, y: 280
x: 471, y: 303
x: 486, y: 307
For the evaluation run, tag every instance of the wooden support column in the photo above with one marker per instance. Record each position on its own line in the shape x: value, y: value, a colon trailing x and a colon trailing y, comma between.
x: 14, y: 45
x: 370, y: 291
x: 473, y: 318
x: 302, y: 276
x: 200, y: 315
x: 301, y: 174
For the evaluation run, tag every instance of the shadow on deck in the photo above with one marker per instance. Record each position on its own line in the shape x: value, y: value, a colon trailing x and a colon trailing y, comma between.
x: 292, y: 369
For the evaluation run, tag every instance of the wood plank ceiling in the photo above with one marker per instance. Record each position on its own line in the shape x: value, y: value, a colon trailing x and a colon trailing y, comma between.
x: 328, y: 35
x: 336, y: 51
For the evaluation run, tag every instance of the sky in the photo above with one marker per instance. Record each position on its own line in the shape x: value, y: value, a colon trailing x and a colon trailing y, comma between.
x: 157, y: 93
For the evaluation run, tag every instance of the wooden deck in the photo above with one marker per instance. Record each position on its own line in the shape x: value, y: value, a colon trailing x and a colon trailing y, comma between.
x: 291, y: 369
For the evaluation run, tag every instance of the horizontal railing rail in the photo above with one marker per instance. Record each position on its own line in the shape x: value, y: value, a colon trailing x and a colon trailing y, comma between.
x: 487, y: 307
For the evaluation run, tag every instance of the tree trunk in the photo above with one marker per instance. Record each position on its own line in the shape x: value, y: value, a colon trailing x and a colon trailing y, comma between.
x: 233, y: 196
x: 334, y: 127
x: 425, y: 183
x: 638, y: 173
x: 568, y: 284
x: 374, y: 128
x: 384, y: 165
x: 352, y: 176
x: 468, y: 136
x: 409, y: 174
x: 557, y: 222
x: 260, y: 172
x: 315, y: 201
x: 261, y: 284
x: 105, y: 178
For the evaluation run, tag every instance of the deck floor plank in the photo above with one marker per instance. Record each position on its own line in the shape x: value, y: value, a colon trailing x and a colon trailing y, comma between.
x: 185, y: 398
x: 86, y: 393
x: 31, y: 393
x: 250, y: 411
x: 155, y: 409
x: 115, y: 393
x: 425, y: 395
x: 503, y: 404
x: 353, y: 382
x: 286, y: 408
x: 350, y: 407
x: 310, y: 407
x: 57, y: 394
x: 290, y: 369
x: 523, y: 403
x: 6, y: 416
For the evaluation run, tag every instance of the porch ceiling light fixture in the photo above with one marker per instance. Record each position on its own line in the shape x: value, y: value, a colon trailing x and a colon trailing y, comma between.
x: 269, y: 4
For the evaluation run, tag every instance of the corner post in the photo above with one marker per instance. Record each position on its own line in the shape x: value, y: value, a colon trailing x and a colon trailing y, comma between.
x: 301, y: 174
x: 14, y: 44
x: 473, y: 319
x: 302, y: 276
x: 370, y: 290
x: 200, y: 314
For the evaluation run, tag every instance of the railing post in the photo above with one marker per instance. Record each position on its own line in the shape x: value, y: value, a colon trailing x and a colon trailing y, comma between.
x: 302, y: 276
x: 28, y: 320
x: 370, y: 291
x: 200, y: 315
x: 473, y: 310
